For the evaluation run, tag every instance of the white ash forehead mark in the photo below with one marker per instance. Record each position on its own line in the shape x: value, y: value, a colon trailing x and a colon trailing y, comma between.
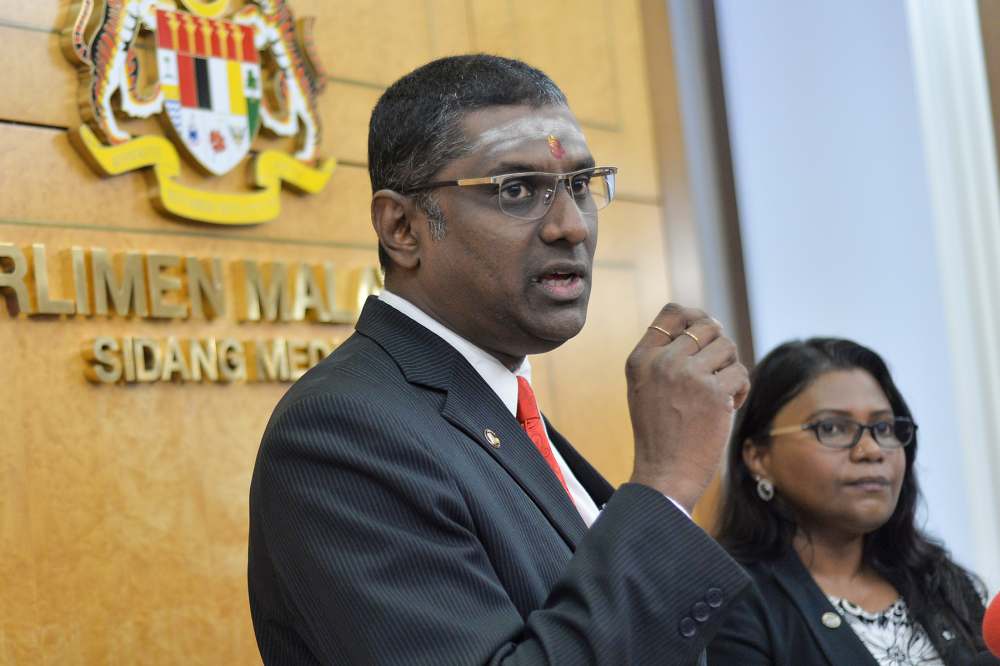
x: 506, y: 136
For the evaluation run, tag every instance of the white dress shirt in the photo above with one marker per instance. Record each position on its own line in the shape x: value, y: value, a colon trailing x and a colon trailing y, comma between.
x: 504, y: 384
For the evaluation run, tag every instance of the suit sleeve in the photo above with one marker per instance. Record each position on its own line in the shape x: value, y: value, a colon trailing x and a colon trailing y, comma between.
x: 745, y: 638
x: 373, y: 550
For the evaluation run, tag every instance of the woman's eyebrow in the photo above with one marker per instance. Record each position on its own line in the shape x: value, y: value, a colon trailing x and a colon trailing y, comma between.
x: 845, y: 413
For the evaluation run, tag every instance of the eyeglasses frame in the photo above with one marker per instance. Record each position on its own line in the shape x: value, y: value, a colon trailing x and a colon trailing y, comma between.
x: 814, y: 426
x: 499, y: 180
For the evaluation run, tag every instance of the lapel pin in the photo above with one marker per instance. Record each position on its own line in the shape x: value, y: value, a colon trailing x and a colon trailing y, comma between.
x: 492, y: 438
x: 830, y: 620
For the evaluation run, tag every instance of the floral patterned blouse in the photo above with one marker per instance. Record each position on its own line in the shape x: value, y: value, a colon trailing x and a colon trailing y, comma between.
x: 892, y: 637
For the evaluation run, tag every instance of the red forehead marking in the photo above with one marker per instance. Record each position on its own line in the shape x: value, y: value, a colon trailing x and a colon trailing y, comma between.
x: 556, y: 148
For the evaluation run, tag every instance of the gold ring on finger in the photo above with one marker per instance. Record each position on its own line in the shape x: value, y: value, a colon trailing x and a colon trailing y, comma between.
x: 693, y: 337
x: 662, y: 330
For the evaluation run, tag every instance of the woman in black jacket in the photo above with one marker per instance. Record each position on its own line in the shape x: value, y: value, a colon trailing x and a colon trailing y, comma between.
x: 819, y: 504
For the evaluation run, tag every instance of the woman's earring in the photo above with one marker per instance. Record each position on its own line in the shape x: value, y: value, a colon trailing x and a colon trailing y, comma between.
x: 765, y: 489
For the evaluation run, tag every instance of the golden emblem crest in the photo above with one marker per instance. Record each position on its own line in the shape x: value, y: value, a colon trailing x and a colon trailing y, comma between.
x: 215, y: 81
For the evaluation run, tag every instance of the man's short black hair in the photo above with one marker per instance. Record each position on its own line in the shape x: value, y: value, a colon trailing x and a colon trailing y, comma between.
x: 415, y: 127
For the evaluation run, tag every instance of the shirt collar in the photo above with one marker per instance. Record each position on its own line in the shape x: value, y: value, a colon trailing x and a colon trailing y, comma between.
x: 494, y: 373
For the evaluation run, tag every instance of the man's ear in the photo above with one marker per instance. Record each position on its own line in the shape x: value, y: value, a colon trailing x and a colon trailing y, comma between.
x: 392, y: 217
x: 757, y: 458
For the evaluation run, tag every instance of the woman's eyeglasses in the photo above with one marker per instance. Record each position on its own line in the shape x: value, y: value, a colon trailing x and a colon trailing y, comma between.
x: 844, y: 433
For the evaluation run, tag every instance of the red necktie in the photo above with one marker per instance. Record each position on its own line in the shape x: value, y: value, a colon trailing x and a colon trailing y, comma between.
x: 531, y: 421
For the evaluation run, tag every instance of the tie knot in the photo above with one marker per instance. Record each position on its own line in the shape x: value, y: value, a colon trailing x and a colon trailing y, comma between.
x: 527, y: 408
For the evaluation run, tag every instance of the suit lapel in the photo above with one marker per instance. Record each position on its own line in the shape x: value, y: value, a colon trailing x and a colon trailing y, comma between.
x: 596, y: 485
x: 840, y: 644
x: 473, y: 407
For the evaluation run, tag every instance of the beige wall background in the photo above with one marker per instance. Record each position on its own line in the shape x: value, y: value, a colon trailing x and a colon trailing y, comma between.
x: 123, y: 509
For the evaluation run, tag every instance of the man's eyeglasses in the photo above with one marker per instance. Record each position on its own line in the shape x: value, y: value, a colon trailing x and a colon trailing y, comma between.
x: 844, y: 433
x: 529, y: 195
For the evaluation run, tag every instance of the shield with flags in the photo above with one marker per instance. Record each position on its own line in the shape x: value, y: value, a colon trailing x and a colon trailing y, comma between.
x: 209, y: 73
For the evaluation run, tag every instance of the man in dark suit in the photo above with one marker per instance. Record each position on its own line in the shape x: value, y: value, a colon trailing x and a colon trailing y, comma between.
x: 408, y: 504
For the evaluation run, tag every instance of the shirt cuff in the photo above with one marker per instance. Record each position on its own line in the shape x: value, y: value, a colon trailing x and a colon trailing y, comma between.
x: 678, y: 505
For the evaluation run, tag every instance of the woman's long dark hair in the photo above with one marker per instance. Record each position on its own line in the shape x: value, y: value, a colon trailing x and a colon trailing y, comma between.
x: 753, y: 530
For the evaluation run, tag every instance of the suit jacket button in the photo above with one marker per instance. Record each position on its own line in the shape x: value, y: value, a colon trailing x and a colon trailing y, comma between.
x: 688, y: 628
x: 700, y: 611
x: 830, y: 620
x: 714, y: 597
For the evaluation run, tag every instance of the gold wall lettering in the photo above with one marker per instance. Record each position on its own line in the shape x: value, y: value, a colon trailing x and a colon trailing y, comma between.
x: 155, y: 285
x: 206, y: 292
x: 261, y: 292
x: 39, y: 275
x: 138, y: 360
x: 13, y: 274
x: 128, y: 292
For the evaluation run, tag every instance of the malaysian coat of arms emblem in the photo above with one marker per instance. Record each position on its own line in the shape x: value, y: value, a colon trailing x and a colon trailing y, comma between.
x: 219, y: 81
